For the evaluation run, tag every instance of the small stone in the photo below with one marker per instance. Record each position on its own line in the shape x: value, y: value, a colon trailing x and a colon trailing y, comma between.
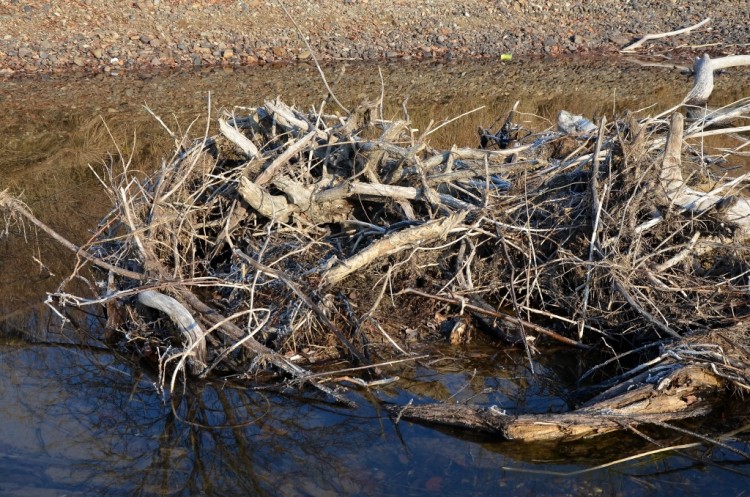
x: 78, y: 61
x: 25, y: 52
x: 279, y: 51
x: 618, y: 38
x: 98, y: 53
x: 156, y: 43
x: 304, y: 55
x: 144, y: 39
x: 228, y: 53
x: 197, y: 61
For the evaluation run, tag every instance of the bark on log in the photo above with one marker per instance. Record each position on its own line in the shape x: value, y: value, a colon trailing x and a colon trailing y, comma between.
x: 678, y: 394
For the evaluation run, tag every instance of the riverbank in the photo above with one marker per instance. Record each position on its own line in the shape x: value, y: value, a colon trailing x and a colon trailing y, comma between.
x: 115, y: 35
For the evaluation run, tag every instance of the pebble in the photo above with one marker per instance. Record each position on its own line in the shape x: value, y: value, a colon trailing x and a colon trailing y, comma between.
x: 204, y: 32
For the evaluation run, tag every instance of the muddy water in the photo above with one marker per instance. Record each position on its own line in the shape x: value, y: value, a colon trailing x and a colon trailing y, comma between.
x: 77, y: 421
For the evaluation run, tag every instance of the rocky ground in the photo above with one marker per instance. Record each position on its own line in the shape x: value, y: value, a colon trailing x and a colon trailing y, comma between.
x: 111, y: 36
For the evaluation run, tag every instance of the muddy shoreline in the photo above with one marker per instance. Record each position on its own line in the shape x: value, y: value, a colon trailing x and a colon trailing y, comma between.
x: 114, y: 36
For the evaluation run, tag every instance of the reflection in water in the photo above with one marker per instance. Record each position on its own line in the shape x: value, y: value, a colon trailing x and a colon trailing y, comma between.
x: 77, y: 421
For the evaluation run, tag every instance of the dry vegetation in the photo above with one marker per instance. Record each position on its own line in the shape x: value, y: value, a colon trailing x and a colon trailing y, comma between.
x: 300, y: 236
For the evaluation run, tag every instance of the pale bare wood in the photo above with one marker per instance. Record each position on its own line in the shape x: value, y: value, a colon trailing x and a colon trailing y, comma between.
x: 285, y: 116
x: 394, y: 243
x: 703, y: 69
x: 315, y: 210
x: 235, y: 136
x: 293, y: 149
x: 273, y: 207
x: 353, y: 188
x: 189, y: 328
x: 688, y: 199
x: 656, y: 36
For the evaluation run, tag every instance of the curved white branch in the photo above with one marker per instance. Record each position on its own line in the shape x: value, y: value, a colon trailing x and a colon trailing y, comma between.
x: 704, y: 68
x: 181, y: 317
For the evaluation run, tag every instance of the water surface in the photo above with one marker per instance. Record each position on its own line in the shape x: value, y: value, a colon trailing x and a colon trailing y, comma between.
x: 78, y: 421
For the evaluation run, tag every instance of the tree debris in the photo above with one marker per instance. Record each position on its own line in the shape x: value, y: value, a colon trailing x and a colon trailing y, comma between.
x: 268, y: 250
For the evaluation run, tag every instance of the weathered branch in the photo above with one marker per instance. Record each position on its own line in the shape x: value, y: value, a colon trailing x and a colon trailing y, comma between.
x: 703, y: 69
x: 273, y: 207
x: 13, y: 205
x: 394, y: 243
x: 688, y: 199
x: 306, y: 299
x: 235, y: 136
x: 676, y: 393
x: 633, y: 46
x: 354, y: 188
x: 193, y: 336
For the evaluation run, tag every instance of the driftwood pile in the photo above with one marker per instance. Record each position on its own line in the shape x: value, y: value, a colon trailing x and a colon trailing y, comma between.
x: 297, y: 237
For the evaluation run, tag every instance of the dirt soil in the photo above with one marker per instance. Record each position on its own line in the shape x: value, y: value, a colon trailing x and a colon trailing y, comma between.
x: 110, y: 36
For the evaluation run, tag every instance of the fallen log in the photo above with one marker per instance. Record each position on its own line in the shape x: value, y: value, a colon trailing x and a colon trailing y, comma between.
x: 676, y: 392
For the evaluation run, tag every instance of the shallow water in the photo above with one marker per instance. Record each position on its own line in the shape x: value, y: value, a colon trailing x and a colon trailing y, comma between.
x: 78, y: 421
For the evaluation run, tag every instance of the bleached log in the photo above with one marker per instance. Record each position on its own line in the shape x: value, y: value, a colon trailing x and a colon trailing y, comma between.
x: 688, y: 199
x: 394, y: 243
x: 235, y: 136
x: 316, y: 211
x: 273, y: 207
x: 704, y: 68
x: 285, y: 116
x: 350, y: 189
x: 190, y: 330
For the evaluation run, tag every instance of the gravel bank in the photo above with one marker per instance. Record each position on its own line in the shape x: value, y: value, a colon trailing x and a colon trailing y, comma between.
x: 110, y: 36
